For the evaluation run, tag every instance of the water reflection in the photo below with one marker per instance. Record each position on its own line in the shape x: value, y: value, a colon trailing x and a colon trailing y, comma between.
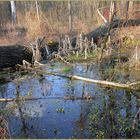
x: 116, y: 119
x: 110, y: 114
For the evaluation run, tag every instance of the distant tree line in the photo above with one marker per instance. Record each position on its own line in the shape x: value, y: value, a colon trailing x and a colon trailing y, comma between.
x: 69, y: 15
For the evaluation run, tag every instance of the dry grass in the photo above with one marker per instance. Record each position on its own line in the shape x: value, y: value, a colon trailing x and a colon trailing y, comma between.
x: 130, y: 45
x: 132, y: 31
x: 43, y: 27
x: 54, y: 23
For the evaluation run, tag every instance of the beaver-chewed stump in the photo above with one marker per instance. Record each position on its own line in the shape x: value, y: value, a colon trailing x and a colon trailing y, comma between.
x: 14, y: 54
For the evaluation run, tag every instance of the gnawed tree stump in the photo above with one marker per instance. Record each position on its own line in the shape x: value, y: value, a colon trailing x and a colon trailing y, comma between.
x: 14, y: 54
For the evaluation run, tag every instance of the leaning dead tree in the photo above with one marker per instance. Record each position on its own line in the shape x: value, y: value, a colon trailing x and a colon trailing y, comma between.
x: 102, y: 31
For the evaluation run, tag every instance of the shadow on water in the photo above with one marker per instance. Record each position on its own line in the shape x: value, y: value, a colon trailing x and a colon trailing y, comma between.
x: 112, y: 113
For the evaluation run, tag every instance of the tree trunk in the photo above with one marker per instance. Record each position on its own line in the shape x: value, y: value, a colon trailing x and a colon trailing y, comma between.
x: 102, y: 31
x: 13, y: 11
x: 37, y: 10
x: 70, y: 16
x: 127, y: 9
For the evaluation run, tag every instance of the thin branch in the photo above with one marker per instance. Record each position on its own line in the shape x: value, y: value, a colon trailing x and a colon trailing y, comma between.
x: 88, y: 97
x: 101, y: 16
x: 108, y: 34
x: 134, y: 121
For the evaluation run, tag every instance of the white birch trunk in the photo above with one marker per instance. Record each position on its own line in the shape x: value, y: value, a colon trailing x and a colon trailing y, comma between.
x: 13, y: 11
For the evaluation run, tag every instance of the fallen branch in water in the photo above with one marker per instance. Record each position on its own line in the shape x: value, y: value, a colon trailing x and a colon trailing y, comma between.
x: 131, y: 86
x: 17, y: 99
x: 88, y: 97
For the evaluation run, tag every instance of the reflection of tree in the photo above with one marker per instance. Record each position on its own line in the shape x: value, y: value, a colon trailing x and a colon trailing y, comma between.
x: 81, y: 123
x: 3, y: 89
x: 112, y: 115
x: 120, y: 108
x: 128, y: 112
x: 115, y: 119
x: 45, y: 86
x: 21, y: 114
x: 84, y: 108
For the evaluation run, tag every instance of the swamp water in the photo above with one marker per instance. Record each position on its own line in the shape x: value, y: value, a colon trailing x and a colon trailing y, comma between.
x: 111, y: 113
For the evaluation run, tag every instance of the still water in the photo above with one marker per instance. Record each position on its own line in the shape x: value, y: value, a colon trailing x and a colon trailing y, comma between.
x: 111, y: 113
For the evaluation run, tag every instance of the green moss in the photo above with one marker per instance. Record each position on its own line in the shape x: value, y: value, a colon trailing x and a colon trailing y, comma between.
x: 66, y: 69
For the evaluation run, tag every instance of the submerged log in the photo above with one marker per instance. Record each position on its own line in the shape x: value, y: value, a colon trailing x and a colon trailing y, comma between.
x: 14, y: 54
x: 47, y: 98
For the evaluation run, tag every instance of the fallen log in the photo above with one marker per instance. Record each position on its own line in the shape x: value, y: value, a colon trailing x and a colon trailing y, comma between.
x: 102, y: 31
x: 51, y: 98
x: 14, y: 54
x: 132, y: 86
